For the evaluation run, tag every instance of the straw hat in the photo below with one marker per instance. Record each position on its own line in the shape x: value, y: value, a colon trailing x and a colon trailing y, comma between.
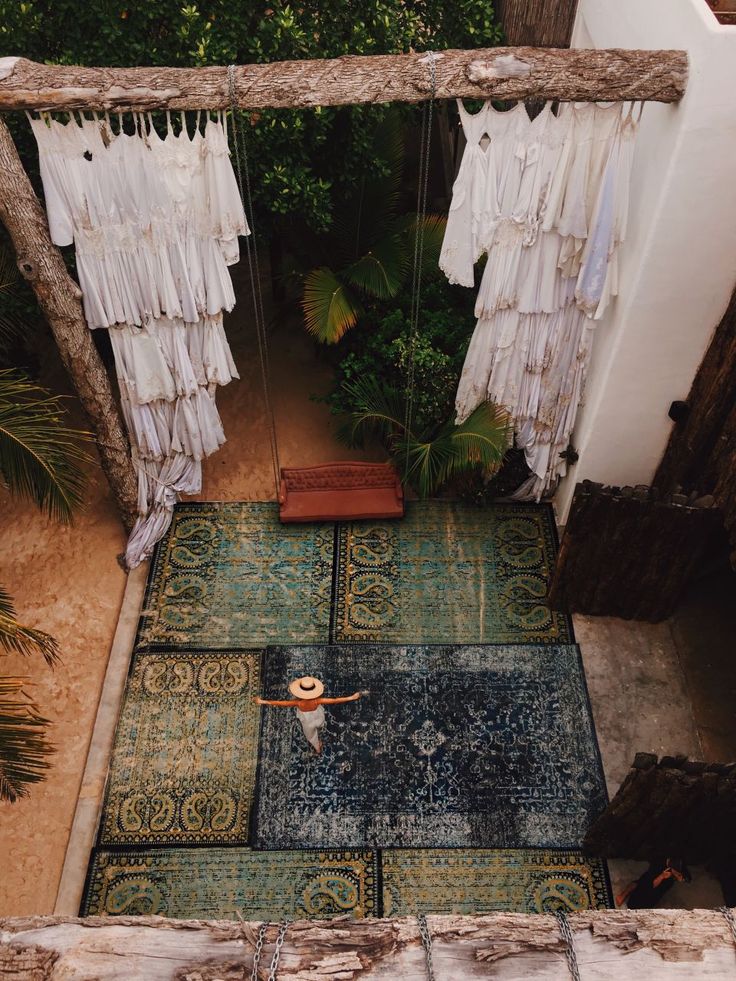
x: 306, y: 687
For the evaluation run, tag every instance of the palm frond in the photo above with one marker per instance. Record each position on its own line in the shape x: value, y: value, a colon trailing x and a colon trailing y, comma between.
x: 382, y: 270
x: 18, y: 639
x: 434, y: 232
x: 429, y: 462
x: 329, y: 308
x: 11, y: 326
x: 40, y: 455
x: 379, y: 413
x: 24, y: 745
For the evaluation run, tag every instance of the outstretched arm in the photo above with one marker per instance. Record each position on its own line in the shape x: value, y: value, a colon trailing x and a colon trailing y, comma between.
x: 338, y: 701
x: 288, y: 703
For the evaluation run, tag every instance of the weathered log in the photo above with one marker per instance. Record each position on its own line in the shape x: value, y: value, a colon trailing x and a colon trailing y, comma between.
x: 503, y: 73
x: 538, y: 22
x: 673, y: 808
x: 626, y: 554
x: 59, y: 297
x: 652, y: 944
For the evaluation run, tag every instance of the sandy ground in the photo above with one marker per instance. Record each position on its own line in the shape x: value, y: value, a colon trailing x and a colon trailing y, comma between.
x: 67, y: 581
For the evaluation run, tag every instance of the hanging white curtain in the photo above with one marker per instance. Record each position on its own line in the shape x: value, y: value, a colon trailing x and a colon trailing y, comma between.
x: 546, y: 200
x: 155, y: 224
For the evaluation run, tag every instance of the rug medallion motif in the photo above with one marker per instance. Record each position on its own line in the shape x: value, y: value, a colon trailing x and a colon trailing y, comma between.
x: 476, y: 746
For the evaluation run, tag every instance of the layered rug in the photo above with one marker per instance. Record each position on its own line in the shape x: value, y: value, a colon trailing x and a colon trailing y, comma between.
x: 184, y: 759
x: 448, y: 573
x: 220, y: 883
x: 230, y: 575
x: 486, y: 880
x: 477, y: 747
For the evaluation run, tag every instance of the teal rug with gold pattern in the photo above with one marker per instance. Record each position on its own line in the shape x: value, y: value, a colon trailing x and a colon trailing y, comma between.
x: 183, y: 764
x: 485, y: 880
x: 448, y: 573
x: 220, y: 883
x: 230, y: 575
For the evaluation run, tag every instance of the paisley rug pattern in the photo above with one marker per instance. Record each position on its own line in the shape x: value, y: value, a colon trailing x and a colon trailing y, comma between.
x: 448, y: 572
x: 184, y: 760
x: 230, y: 575
x: 220, y: 883
x: 486, y: 880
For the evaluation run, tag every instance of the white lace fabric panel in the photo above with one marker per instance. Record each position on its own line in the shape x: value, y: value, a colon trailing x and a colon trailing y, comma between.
x: 546, y: 201
x: 155, y: 221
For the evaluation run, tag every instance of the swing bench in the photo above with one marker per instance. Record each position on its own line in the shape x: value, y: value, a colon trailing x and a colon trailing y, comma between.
x: 339, y: 492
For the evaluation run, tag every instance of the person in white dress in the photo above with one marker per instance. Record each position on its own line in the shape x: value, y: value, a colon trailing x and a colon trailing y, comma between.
x: 309, y: 703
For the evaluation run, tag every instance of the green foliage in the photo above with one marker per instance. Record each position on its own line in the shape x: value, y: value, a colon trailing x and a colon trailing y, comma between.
x: 303, y: 162
x: 17, y: 639
x: 24, y: 746
x: 380, y: 349
x: 426, y: 459
x: 39, y: 454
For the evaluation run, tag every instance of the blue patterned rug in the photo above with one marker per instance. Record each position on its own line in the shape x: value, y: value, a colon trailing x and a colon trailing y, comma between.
x: 219, y: 883
x: 485, y: 880
x: 472, y: 747
x: 449, y: 573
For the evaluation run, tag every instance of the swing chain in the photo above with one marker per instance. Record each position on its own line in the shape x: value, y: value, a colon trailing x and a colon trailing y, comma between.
x: 567, y: 935
x: 427, y: 944
x: 261, y: 939
x: 258, y: 950
x: 251, y: 248
x: 729, y: 918
x: 422, y: 189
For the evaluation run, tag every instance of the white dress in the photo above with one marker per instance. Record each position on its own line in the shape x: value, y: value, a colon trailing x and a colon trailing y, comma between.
x: 561, y: 199
x: 155, y: 222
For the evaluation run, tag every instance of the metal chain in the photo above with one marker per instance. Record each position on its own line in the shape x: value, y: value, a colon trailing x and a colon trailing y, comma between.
x: 277, y: 952
x: 567, y: 935
x: 251, y: 248
x: 427, y: 943
x: 425, y: 141
x: 258, y: 951
x: 730, y: 919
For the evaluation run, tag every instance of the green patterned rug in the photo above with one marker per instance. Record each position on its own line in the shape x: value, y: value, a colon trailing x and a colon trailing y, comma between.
x: 219, y: 883
x: 449, y: 573
x: 230, y: 575
x: 484, y: 880
x: 184, y: 760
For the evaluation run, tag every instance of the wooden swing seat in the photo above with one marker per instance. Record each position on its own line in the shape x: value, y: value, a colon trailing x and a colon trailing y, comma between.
x: 340, y: 492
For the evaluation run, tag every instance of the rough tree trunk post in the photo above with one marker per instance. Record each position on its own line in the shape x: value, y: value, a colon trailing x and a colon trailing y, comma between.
x: 503, y: 73
x: 59, y: 297
x: 537, y: 22
x: 658, y: 945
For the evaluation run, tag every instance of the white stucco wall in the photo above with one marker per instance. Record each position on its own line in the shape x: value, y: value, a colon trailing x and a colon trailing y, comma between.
x: 679, y: 261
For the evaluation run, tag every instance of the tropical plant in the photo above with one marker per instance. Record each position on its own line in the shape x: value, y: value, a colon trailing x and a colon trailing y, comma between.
x: 40, y: 460
x: 371, y: 245
x: 426, y: 459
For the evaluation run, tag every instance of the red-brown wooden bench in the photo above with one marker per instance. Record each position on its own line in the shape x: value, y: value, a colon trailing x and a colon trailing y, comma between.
x: 339, y: 492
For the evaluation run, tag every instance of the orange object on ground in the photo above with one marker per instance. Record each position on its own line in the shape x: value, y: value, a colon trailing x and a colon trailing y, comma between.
x: 340, y: 492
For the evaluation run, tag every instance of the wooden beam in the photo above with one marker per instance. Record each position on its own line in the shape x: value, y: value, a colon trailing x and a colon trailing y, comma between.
x: 501, y: 73
x: 59, y: 298
x: 659, y: 945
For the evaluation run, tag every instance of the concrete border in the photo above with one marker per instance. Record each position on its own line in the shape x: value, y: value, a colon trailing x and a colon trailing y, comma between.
x: 89, y: 801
